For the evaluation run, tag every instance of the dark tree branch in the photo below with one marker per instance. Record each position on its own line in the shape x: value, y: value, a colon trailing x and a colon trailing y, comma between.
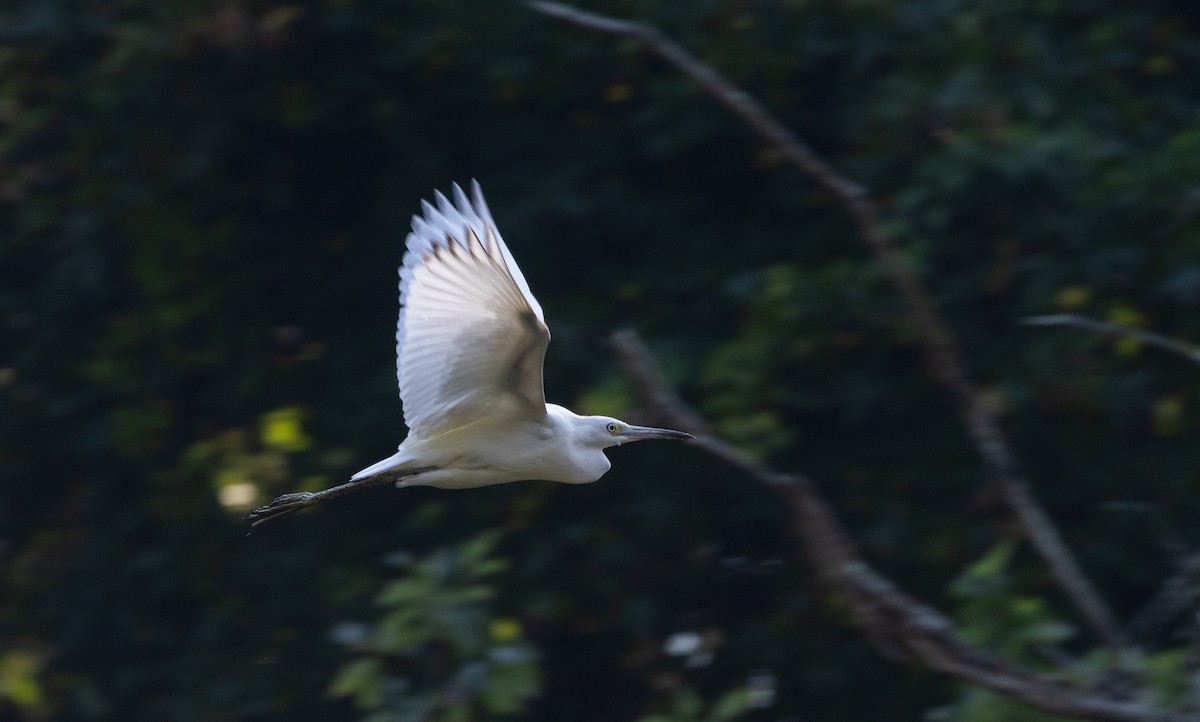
x: 945, y: 357
x: 900, y: 627
x: 1147, y: 337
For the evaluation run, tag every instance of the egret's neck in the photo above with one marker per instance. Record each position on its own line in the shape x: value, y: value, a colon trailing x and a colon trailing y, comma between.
x: 584, y: 454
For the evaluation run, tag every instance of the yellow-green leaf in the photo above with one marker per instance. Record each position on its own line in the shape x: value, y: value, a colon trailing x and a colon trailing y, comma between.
x: 283, y: 430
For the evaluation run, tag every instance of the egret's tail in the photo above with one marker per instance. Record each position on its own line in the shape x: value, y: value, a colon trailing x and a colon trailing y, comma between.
x: 393, y: 463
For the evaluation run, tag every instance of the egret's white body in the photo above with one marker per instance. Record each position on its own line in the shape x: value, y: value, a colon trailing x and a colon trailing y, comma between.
x: 470, y: 344
x: 496, y: 452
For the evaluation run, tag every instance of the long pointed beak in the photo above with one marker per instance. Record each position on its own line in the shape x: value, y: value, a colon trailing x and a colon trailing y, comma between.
x: 641, y: 433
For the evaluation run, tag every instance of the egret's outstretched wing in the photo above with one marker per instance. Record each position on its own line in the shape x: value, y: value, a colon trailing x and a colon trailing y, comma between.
x: 471, y: 336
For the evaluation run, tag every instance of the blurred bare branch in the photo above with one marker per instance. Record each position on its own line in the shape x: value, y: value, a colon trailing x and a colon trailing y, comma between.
x: 899, y: 626
x: 942, y: 350
x: 1147, y: 337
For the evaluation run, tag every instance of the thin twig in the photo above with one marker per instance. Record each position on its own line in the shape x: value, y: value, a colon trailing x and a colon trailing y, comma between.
x: 941, y: 349
x: 898, y: 625
x: 1149, y: 338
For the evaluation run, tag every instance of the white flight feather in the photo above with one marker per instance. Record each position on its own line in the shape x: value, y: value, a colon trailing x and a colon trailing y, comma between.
x: 471, y: 336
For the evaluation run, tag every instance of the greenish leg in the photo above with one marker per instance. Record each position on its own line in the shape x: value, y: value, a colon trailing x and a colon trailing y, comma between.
x: 289, y: 503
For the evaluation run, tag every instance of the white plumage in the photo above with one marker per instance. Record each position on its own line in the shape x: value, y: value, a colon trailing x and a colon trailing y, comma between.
x: 471, y: 336
x: 469, y: 344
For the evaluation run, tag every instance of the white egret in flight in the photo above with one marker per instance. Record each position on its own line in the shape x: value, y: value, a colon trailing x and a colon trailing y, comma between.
x: 469, y: 345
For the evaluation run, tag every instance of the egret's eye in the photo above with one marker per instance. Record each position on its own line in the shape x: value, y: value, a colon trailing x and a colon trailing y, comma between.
x: 612, y: 427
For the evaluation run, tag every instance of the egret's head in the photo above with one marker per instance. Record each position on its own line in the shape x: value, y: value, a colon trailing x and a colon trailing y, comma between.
x: 605, y: 432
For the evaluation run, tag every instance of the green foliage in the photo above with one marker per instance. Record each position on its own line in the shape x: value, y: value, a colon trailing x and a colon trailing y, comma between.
x: 686, y: 706
x: 439, y: 652
x: 202, y: 206
x: 994, y: 615
x: 979, y: 705
x: 19, y: 670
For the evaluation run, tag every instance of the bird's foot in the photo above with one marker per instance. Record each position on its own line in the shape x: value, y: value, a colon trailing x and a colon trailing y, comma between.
x: 285, y: 504
x: 289, y: 503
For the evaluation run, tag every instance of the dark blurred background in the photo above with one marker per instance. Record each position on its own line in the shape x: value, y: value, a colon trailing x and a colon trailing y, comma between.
x: 202, y: 208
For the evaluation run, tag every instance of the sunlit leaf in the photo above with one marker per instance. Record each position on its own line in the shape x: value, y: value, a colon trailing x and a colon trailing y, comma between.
x: 19, y: 670
x: 504, y: 630
x: 283, y: 430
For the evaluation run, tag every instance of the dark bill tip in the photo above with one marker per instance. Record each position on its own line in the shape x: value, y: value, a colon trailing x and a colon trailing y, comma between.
x: 638, y: 433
